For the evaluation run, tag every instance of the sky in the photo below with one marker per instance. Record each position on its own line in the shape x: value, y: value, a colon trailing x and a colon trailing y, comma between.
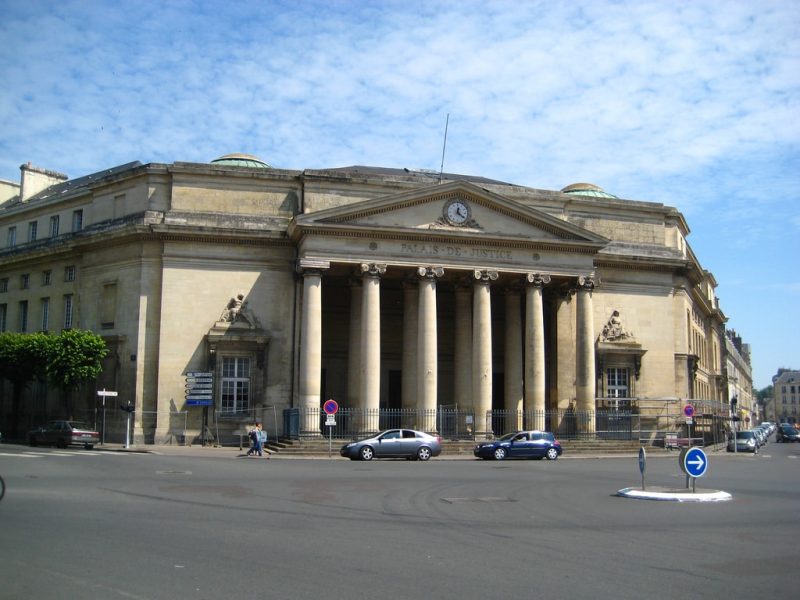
x: 692, y: 104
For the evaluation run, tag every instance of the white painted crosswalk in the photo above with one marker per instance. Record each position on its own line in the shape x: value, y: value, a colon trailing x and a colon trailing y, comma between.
x: 62, y: 454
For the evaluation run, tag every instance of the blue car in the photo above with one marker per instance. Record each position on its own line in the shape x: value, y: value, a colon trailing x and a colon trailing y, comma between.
x: 520, y: 444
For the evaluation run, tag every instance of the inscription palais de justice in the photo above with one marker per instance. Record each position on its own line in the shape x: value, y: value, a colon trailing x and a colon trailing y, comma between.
x: 455, y: 251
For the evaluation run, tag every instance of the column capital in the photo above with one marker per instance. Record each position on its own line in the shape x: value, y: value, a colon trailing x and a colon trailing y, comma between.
x: 484, y: 275
x: 373, y: 269
x: 305, y: 265
x: 430, y: 272
x: 537, y: 279
x: 587, y: 282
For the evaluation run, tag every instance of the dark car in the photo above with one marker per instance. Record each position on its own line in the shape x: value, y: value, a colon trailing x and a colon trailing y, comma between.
x: 520, y: 444
x: 787, y: 433
x: 63, y: 434
x: 394, y: 443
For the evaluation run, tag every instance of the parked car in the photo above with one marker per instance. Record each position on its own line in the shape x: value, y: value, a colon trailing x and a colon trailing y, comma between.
x: 63, y: 434
x: 520, y: 444
x: 787, y: 433
x: 746, y: 441
x: 394, y: 443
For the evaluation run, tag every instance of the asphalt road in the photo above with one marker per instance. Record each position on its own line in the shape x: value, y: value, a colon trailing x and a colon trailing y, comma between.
x: 82, y: 524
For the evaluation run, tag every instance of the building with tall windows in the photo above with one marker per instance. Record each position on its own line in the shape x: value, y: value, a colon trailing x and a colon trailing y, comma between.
x: 232, y: 290
x: 786, y: 396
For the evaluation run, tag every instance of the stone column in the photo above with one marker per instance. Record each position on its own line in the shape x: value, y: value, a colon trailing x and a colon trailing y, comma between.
x: 427, y: 340
x: 371, y: 345
x: 354, y: 346
x: 534, y: 350
x: 584, y: 351
x: 410, y: 325
x: 513, y: 361
x: 482, y: 351
x: 310, y: 382
x: 462, y: 359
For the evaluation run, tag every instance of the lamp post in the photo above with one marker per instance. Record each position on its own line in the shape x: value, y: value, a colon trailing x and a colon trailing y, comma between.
x: 734, y: 418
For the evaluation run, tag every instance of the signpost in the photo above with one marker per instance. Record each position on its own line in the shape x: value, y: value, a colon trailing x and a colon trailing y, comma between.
x: 104, y: 394
x: 693, y: 462
x: 642, y: 463
x: 200, y: 392
x: 330, y: 407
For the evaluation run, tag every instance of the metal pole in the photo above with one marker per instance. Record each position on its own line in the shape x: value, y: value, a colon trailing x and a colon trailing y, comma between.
x: 128, y: 431
x: 103, y: 439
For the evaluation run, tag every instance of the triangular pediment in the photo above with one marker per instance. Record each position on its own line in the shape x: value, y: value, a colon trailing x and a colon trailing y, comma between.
x: 455, y: 209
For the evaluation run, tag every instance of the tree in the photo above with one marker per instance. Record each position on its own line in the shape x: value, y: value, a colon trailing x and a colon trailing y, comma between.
x: 65, y: 361
x: 74, y: 357
x: 23, y: 358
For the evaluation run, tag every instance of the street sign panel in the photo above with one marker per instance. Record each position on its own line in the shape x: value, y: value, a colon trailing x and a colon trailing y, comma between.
x: 200, y: 386
x: 199, y: 374
x: 330, y: 421
x: 693, y: 462
x: 198, y: 402
x: 107, y: 393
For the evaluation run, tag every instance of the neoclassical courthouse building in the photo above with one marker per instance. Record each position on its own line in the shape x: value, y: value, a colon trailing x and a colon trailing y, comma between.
x: 232, y: 290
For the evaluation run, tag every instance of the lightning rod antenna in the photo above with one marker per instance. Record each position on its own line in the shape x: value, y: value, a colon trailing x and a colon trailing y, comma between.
x: 444, y: 147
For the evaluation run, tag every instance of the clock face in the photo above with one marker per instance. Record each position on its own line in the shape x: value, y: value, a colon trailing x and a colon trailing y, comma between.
x: 457, y: 212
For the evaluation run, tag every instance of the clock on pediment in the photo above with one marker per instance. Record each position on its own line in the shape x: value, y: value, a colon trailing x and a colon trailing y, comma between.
x: 457, y: 212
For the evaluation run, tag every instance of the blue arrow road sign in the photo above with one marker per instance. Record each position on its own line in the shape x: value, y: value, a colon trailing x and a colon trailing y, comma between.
x: 695, y: 462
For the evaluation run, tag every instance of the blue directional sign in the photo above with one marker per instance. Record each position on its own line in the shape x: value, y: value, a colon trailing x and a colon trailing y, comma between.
x: 694, y: 462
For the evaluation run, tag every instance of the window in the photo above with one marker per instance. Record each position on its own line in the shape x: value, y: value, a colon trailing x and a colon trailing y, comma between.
x: 24, y: 281
x: 45, y: 313
x: 235, y: 384
x: 69, y: 273
x: 68, y: 311
x: 54, y: 226
x: 77, y: 220
x: 47, y: 277
x: 23, y: 316
x: 617, y: 387
x: 33, y: 227
x: 3, y: 285
x: 3, y: 316
x: 12, y: 237
x: 108, y: 306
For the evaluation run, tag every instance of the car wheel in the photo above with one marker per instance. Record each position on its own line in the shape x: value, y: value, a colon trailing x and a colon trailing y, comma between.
x: 88, y: 446
x: 366, y: 453
x: 32, y: 441
x: 424, y: 453
x: 552, y: 454
x: 61, y: 443
x: 500, y: 453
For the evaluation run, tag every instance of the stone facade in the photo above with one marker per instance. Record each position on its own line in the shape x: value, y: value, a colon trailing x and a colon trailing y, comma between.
x: 381, y: 288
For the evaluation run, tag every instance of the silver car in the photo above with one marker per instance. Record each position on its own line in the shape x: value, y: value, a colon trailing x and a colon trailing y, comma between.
x: 63, y: 434
x: 746, y: 441
x: 394, y: 443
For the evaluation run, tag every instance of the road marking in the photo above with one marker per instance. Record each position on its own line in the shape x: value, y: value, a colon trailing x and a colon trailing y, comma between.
x: 19, y: 455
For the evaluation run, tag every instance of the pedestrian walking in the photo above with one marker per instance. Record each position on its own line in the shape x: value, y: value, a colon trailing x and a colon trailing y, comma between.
x: 255, y: 438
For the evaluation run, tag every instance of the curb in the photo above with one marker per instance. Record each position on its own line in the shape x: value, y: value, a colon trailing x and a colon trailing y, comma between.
x: 672, y: 495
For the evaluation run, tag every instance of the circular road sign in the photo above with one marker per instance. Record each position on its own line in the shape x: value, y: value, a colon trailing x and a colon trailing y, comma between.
x: 693, y: 462
x: 330, y: 407
x: 688, y: 411
x: 642, y: 460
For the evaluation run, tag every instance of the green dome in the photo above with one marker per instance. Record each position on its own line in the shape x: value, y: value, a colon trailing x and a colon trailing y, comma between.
x: 241, y: 160
x: 587, y: 189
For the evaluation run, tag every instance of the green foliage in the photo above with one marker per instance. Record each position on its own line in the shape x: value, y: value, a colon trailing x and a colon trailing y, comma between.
x: 73, y: 357
x: 23, y: 356
x: 65, y: 360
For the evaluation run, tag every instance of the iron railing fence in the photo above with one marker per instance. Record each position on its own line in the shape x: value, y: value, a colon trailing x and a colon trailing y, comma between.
x: 461, y: 424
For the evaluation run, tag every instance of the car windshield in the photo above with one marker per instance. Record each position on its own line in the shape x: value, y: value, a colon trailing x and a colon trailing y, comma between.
x: 744, y: 435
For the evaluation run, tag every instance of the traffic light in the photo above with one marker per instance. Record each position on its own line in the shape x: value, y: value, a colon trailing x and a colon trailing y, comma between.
x: 128, y: 408
x: 734, y: 402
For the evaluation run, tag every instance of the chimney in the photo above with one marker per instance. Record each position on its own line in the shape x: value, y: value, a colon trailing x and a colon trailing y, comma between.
x: 36, y: 179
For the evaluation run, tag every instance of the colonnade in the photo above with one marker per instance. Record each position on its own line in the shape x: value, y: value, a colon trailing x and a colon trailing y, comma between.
x: 524, y: 370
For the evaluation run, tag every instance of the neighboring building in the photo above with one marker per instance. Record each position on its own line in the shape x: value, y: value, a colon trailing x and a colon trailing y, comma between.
x: 468, y: 305
x: 786, y: 396
x: 739, y: 375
